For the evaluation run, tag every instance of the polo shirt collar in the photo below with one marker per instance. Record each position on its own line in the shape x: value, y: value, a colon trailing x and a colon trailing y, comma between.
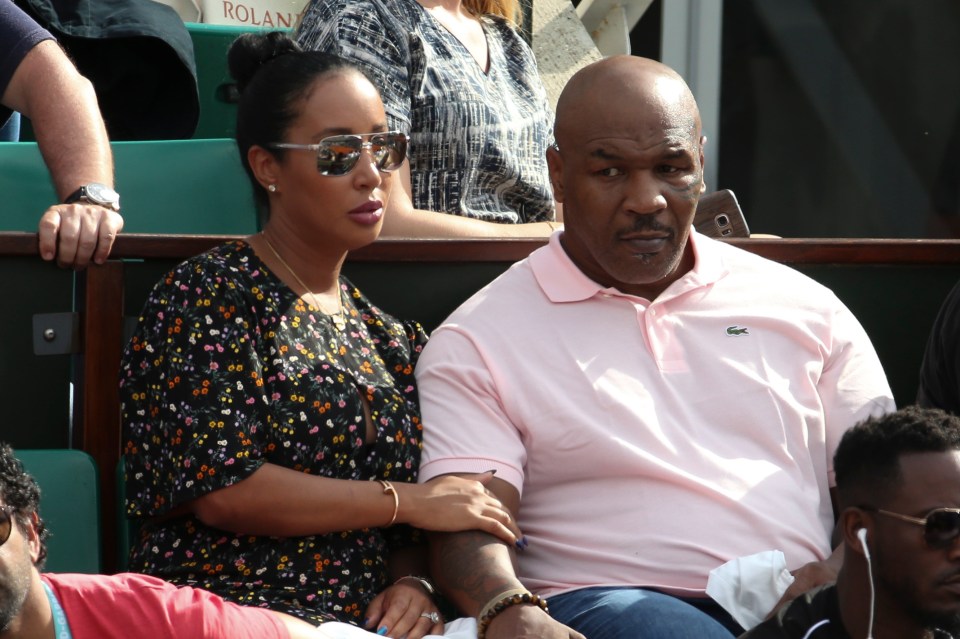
x: 562, y: 281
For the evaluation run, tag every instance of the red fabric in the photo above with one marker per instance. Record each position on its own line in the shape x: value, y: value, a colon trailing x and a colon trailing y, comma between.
x: 131, y: 605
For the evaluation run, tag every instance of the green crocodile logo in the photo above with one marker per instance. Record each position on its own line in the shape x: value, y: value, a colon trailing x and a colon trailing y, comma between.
x: 736, y: 330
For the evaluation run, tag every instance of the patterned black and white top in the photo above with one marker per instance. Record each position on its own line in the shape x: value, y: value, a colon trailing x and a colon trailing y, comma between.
x: 477, y: 140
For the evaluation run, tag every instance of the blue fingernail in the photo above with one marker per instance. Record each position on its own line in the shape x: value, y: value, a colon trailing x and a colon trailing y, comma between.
x: 366, y: 622
x: 518, y: 544
x: 523, y: 540
x: 382, y: 630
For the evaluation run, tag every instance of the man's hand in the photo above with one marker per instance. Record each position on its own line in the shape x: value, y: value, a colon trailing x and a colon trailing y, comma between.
x: 811, y: 575
x: 528, y: 622
x: 77, y: 233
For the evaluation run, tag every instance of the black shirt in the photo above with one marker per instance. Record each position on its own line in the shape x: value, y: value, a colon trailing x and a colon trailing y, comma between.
x: 18, y: 35
x: 812, y: 615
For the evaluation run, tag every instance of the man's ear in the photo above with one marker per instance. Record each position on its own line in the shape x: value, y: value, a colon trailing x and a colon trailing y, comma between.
x: 852, y: 521
x: 264, y: 165
x: 32, y: 537
x: 555, y: 166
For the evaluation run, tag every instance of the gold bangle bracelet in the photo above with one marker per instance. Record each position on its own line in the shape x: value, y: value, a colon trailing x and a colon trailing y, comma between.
x: 425, y: 583
x: 389, y: 489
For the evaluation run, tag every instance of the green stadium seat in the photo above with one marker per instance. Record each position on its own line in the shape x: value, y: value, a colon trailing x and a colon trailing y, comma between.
x: 194, y: 187
x: 218, y: 105
x: 70, y: 506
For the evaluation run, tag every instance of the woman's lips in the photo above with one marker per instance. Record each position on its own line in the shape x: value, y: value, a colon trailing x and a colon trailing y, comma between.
x: 367, y: 213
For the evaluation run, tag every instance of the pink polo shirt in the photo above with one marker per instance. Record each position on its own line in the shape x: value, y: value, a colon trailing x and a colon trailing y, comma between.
x: 651, y: 441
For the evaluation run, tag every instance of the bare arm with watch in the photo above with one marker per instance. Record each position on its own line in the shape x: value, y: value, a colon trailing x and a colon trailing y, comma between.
x: 477, y: 572
x: 63, y: 109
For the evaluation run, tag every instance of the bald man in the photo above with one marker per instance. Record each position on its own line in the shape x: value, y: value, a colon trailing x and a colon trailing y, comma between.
x: 654, y: 402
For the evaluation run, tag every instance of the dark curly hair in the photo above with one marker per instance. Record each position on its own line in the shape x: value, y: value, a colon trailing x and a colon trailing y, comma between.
x: 867, y: 461
x: 20, y: 491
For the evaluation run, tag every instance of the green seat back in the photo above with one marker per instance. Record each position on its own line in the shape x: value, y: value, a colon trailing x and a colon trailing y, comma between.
x: 218, y: 106
x: 27, y: 186
x: 70, y: 506
x: 166, y: 186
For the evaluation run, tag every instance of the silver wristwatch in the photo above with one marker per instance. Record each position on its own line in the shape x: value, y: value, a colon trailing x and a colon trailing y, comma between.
x: 96, y: 193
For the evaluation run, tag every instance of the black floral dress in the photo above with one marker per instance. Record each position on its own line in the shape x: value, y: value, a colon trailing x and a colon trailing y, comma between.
x: 228, y: 370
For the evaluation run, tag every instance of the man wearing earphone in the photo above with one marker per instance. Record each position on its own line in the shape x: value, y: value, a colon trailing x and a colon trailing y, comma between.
x: 898, y: 484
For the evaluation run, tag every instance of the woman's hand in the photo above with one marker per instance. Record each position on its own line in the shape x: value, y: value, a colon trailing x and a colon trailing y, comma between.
x: 404, y: 610
x: 454, y: 504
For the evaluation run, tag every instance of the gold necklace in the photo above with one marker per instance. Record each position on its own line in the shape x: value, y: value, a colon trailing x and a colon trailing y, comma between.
x: 338, y: 319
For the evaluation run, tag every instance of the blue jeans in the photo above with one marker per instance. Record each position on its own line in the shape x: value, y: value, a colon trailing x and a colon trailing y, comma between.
x: 637, y: 613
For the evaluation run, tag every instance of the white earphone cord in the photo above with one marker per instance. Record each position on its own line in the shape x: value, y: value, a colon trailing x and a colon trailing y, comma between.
x: 862, y: 534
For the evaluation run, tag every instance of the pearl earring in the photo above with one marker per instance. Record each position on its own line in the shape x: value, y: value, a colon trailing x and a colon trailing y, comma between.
x: 272, y: 188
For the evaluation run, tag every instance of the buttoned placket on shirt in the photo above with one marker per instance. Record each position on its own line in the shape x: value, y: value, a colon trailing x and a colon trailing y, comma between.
x: 657, y: 326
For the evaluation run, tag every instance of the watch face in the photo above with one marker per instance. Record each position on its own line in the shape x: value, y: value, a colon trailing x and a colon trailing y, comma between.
x: 102, y: 194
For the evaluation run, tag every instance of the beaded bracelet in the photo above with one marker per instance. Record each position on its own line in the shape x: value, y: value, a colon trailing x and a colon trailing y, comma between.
x: 388, y: 488
x: 514, y: 598
x: 487, y: 607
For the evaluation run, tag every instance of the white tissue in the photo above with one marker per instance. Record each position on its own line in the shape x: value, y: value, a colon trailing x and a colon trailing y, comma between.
x: 465, y: 628
x: 749, y: 587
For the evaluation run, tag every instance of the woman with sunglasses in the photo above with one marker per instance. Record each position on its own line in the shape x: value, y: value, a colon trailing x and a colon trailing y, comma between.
x: 271, y: 425
x: 458, y: 77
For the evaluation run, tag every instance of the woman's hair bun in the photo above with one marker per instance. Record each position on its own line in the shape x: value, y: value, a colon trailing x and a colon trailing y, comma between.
x: 251, y: 51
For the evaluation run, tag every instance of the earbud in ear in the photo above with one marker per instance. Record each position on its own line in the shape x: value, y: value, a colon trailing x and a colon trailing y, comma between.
x: 862, y: 536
